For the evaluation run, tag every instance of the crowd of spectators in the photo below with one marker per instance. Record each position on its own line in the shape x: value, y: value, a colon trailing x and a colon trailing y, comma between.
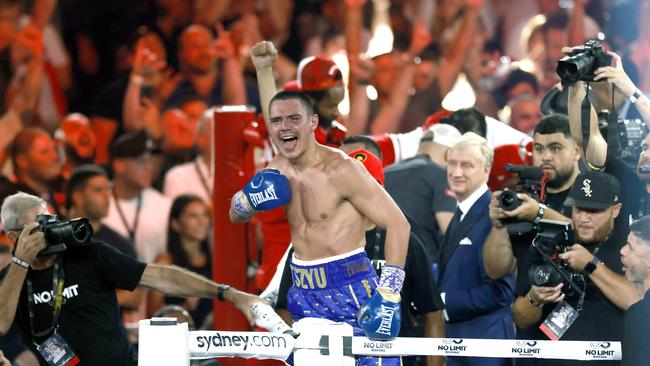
x: 106, y: 113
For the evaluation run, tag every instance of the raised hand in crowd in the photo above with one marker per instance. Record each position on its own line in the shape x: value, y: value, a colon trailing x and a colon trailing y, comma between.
x: 141, y: 101
x: 362, y: 68
x: 245, y: 33
x: 222, y: 47
x: 27, y: 44
x: 389, y: 117
x: 234, y: 89
x: 146, y: 63
x: 420, y: 38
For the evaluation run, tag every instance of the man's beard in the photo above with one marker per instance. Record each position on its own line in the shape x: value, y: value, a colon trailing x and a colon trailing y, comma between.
x: 560, y: 178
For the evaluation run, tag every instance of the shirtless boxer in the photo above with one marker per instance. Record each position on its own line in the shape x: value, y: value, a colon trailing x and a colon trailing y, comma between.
x: 329, y: 199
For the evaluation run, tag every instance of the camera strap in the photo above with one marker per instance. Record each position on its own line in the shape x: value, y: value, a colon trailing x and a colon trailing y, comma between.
x: 585, y: 118
x: 581, y: 299
x: 138, y: 206
x: 58, y: 280
x: 613, y: 142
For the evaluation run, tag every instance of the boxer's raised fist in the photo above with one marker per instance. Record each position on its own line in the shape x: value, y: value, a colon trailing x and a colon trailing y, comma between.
x: 263, y: 54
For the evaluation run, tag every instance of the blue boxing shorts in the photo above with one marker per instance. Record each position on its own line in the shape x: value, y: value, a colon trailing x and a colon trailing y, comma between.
x: 335, y: 288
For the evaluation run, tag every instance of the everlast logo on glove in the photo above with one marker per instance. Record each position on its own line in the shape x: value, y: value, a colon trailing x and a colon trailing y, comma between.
x: 380, y: 318
x: 261, y: 197
x: 267, y: 190
x: 386, y: 320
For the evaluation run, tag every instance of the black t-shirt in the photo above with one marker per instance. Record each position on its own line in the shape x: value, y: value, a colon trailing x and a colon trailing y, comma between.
x: 419, y: 187
x: 111, y: 237
x: 89, y: 320
x: 599, y: 320
x: 521, y: 243
x: 556, y: 202
x: 637, y: 333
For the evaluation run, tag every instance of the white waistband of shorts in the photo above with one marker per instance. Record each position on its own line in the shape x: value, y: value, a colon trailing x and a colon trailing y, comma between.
x: 326, y: 259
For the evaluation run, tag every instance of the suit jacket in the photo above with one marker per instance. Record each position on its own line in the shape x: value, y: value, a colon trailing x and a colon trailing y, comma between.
x: 476, y: 306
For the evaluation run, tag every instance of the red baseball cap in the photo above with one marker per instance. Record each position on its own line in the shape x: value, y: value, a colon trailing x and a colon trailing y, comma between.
x: 371, y: 162
x: 508, y: 154
x: 435, y: 118
x: 315, y: 73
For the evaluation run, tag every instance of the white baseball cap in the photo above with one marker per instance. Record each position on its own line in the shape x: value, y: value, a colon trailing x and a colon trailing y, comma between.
x: 441, y: 133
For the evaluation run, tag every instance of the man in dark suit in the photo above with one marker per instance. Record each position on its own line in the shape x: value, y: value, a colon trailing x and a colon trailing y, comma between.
x: 476, y: 306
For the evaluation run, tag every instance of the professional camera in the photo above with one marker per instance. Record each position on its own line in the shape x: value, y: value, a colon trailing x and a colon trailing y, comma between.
x: 628, y: 134
x: 61, y: 235
x: 581, y: 63
x: 555, y: 237
x: 529, y: 183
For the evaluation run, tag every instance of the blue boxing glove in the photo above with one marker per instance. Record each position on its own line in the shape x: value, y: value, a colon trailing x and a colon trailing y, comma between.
x: 380, y: 318
x: 268, y: 189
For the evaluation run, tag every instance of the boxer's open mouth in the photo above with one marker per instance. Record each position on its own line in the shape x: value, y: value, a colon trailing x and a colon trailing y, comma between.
x: 289, y: 141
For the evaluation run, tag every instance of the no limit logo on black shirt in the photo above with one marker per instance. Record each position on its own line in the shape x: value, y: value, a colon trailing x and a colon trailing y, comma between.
x: 47, y: 297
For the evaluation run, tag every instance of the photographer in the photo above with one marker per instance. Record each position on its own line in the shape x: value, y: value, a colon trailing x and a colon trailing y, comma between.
x: 594, y: 266
x: 66, y: 300
x: 557, y: 154
x: 610, y: 87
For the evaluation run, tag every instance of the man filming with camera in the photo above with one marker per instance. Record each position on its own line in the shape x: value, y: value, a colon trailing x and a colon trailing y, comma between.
x: 583, y: 290
x: 557, y: 150
x: 557, y: 154
x: 60, y: 288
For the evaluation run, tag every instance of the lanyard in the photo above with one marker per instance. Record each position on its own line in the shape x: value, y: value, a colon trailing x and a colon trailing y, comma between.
x: 138, y: 206
x: 202, y: 178
x: 58, y: 280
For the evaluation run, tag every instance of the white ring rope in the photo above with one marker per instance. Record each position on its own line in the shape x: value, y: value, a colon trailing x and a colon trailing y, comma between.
x: 170, y: 342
